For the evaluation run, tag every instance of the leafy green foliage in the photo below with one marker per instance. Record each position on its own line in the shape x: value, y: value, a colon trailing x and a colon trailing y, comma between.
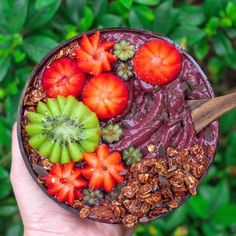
x: 37, y: 46
x: 206, y: 29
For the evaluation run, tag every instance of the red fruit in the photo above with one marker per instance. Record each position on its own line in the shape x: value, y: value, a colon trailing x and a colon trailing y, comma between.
x: 157, y: 62
x: 103, y: 168
x: 64, y: 182
x: 63, y: 77
x: 93, y: 56
x: 106, y: 95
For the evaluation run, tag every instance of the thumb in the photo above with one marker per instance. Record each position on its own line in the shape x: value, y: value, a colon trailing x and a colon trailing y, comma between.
x: 27, y: 193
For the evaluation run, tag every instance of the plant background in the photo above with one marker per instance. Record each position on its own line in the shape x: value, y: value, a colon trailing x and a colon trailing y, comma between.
x: 205, y: 28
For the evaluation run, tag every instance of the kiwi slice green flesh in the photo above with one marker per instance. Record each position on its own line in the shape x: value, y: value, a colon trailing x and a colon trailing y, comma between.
x: 36, y: 117
x: 63, y: 129
x: 35, y: 128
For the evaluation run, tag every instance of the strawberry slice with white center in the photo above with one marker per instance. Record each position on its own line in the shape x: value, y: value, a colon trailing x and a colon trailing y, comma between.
x: 103, y: 168
x: 63, y: 77
x: 64, y: 182
x: 157, y: 62
x: 106, y: 95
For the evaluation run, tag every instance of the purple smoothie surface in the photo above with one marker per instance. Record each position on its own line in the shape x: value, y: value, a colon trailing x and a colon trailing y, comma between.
x: 160, y: 115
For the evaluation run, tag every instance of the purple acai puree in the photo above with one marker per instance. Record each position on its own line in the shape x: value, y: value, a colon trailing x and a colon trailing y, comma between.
x: 159, y: 116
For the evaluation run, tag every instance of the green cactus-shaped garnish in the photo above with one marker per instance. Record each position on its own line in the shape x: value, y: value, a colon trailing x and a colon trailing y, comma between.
x: 111, y: 133
x: 124, y: 50
x: 92, y: 196
x: 131, y: 156
x: 124, y: 71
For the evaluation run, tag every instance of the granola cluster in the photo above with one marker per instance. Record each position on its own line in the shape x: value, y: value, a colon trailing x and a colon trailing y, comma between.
x: 153, y: 187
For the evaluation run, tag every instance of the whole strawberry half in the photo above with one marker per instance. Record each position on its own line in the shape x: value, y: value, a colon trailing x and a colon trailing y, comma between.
x: 93, y: 56
x: 64, y: 182
x: 63, y: 77
x: 157, y: 62
x: 106, y: 95
x: 103, y: 168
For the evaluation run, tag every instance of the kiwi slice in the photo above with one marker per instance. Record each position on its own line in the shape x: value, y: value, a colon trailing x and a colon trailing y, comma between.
x: 63, y: 129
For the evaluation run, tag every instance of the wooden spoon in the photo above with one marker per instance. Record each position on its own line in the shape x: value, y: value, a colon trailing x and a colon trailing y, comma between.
x: 204, y: 111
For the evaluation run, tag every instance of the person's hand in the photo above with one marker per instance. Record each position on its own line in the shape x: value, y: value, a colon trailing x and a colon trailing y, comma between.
x: 42, y: 216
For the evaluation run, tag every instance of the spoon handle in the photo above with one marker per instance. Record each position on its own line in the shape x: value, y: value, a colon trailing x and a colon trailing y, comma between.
x: 205, y: 111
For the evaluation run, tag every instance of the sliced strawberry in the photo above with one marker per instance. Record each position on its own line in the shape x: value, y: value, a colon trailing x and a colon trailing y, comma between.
x: 157, y: 62
x: 103, y: 168
x: 64, y: 182
x: 106, y: 95
x: 93, y: 56
x: 63, y: 77
x: 109, y: 182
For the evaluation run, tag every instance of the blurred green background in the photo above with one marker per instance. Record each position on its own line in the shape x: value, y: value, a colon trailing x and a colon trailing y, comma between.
x: 205, y: 28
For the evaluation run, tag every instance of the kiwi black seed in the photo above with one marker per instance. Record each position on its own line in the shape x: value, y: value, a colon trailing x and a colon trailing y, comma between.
x: 63, y: 129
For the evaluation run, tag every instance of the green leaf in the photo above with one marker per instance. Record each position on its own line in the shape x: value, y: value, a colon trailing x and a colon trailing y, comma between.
x: 227, y: 122
x: 4, y: 132
x: 71, y: 31
x: 75, y: 9
x: 199, y: 207
x: 201, y: 49
x: 99, y: 7
x: 15, y: 229
x: 211, y: 229
x: 5, y: 185
x: 225, y: 215
x: 211, y: 174
x: 222, y: 45
x: 8, y: 201
x: 165, y: 18
x: 176, y: 218
x: 226, y: 22
x: 222, y: 195
x: 19, y: 55
x: 22, y: 74
x: 37, y: 18
x: 141, y: 17
x: 43, y: 3
x: 191, y: 33
x: 230, y: 153
x: 194, y: 15
x: 87, y: 20
x: 192, y: 231
x: 4, y: 67
x: 38, y: 46
x: 118, y: 9
x: 212, y: 26
x: 3, y: 173
x: 13, y: 14
x: 8, y: 210
x: 215, y: 196
x: 148, y: 2
x: 109, y: 20
x: 213, y: 7
x: 230, y: 60
x: 11, y: 105
x: 126, y: 3
x: 215, y: 67
x: 230, y: 11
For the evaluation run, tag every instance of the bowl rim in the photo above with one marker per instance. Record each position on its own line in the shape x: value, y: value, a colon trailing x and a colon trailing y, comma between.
x: 41, y: 64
